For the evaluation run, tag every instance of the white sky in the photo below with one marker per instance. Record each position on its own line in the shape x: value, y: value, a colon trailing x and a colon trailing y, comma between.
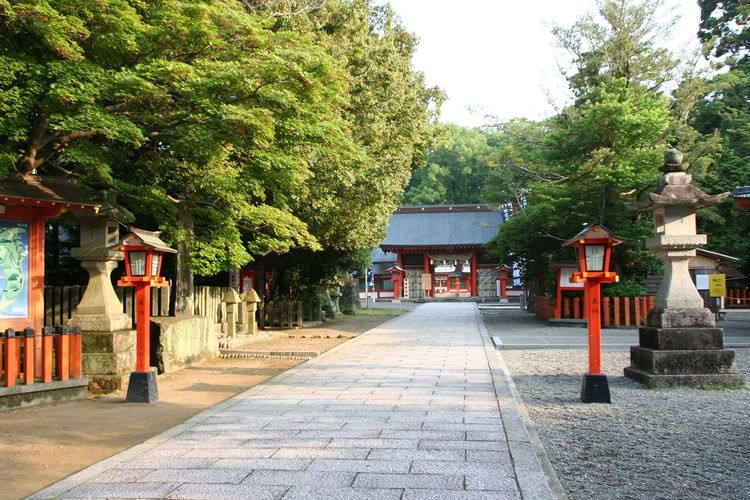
x: 496, y: 59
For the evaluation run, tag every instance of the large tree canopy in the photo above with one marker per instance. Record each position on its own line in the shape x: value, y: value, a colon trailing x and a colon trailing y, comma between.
x: 599, y: 152
x: 240, y: 128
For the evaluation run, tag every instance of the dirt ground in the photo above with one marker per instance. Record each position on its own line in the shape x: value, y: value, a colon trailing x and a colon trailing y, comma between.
x: 43, y: 444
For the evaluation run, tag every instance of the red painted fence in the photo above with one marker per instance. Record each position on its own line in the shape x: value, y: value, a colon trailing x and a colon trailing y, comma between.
x: 616, y: 311
x: 28, y: 358
x: 738, y: 297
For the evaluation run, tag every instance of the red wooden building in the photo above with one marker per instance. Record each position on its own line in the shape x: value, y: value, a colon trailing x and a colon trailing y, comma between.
x: 438, y: 251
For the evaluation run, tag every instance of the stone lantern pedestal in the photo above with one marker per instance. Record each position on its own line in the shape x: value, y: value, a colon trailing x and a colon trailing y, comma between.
x: 680, y: 344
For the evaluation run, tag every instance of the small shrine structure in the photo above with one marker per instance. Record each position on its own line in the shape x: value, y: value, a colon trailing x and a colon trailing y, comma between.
x: 440, y: 252
x: 51, y: 359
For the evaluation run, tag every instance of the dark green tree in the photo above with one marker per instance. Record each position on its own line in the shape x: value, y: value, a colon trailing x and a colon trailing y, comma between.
x: 724, y: 114
x: 603, y: 150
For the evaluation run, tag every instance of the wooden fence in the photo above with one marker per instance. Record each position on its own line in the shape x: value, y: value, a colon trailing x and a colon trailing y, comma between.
x: 29, y: 357
x: 737, y: 298
x: 616, y: 311
x: 60, y: 302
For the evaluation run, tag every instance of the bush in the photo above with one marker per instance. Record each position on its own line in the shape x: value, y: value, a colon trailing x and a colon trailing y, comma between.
x: 624, y: 289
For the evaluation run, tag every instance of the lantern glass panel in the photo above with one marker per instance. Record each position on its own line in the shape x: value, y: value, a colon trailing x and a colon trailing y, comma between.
x: 155, y: 258
x: 594, y: 257
x: 137, y: 260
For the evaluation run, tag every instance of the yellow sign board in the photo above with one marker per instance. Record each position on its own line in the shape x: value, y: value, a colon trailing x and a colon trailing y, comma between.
x: 717, y: 285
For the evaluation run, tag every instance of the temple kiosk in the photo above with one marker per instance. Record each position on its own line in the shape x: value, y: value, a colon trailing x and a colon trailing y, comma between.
x: 25, y: 205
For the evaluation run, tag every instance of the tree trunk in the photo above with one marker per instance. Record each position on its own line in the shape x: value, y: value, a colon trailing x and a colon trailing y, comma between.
x: 183, y: 303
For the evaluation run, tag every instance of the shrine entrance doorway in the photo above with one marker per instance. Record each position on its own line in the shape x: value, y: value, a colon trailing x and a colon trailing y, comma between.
x: 452, y: 285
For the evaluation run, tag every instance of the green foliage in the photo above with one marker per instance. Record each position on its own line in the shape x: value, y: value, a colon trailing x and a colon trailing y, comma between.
x: 455, y: 169
x: 238, y: 130
x: 597, y: 154
x: 624, y: 289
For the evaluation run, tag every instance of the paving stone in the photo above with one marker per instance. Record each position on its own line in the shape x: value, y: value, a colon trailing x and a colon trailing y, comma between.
x: 217, y: 453
x: 437, y: 494
x: 196, y: 475
x: 167, y: 463
x: 121, y: 490
x: 407, y: 454
x: 370, y: 465
x: 373, y: 443
x: 491, y: 481
x: 229, y: 491
x: 350, y: 453
x: 431, y: 444
x: 301, y: 478
x: 370, y: 480
x: 262, y: 463
x: 461, y: 468
x: 307, y: 493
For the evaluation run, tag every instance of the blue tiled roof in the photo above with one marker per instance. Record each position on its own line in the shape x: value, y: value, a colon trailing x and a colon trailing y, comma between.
x: 741, y: 192
x: 437, y: 226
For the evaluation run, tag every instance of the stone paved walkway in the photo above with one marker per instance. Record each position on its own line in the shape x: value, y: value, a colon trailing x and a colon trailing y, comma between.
x: 420, y: 407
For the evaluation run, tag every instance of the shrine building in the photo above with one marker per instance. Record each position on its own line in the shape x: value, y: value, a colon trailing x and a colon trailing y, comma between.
x: 438, y: 251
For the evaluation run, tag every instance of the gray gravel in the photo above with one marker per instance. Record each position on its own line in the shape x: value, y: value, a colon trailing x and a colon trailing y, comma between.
x: 647, y: 444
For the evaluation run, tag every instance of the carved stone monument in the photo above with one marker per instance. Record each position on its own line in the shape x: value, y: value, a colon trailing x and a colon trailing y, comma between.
x: 680, y: 344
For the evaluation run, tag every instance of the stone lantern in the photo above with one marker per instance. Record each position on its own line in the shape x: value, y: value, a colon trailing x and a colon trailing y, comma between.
x: 251, y: 299
x: 680, y: 346
x: 108, y: 337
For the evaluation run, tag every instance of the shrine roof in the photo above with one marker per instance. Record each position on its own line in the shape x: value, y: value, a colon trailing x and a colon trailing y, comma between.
x: 36, y: 190
x: 442, y: 225
x: 741, y: 192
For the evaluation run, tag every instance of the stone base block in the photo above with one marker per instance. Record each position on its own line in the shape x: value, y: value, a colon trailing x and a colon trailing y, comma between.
x: 680, y: 318
x: 57, y: 391
x: 101, y: 322
x: 595, y: 389
x: 106, y: 384
x: 108, y: 358
x: 681, y: 362
x: 142, y: 387
x: 653, y: 381
x: 681, y: 339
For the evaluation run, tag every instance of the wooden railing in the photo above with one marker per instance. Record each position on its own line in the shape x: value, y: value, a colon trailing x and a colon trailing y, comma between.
x: 29, y: 358
x: 60, y: 302
x: 616, y: 311
x: 737, y: 298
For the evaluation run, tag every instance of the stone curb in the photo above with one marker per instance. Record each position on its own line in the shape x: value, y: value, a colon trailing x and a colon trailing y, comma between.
x: 526, y: 448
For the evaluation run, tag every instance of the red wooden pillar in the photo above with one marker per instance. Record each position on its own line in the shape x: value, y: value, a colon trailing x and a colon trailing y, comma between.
x: 474, y: 276
x: 46, y: 345
x: 28, y: 356
x: 10, y: 358
x: 595, y: 326
x: 62, y: 353
x: 143, y: 327
x: 427, y: 270
x: 558, y: 302
x: 76, y: 361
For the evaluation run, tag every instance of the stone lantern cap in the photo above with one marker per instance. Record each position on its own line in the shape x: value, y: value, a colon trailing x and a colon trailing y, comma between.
x: 675, y: 189
x: 231, y: 297
x: 251, y: 296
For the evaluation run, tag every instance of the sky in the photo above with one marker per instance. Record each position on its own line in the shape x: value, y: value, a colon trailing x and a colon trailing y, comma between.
x: 496, y: 59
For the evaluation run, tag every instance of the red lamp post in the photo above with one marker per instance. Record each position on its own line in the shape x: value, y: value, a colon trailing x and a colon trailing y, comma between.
x: 397, y: 279
x: 594, y: 248
x: 503, y: 274
x: 143, y: 259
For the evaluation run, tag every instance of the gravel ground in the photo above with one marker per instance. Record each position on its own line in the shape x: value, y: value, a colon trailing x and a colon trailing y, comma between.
x: 647, y: 444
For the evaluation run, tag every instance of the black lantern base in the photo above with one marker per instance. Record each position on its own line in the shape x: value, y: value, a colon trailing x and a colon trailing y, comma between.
x: 142, y: 387
x: 595, y: 389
